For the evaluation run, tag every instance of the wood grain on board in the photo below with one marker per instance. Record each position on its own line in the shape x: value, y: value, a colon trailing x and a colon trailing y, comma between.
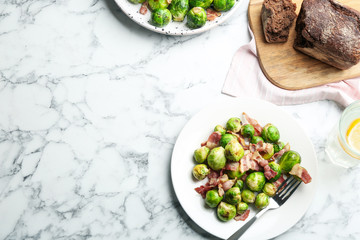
x: 287, y: 68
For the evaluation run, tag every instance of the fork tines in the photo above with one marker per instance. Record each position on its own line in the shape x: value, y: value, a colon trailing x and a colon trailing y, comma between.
x: 286, y: 189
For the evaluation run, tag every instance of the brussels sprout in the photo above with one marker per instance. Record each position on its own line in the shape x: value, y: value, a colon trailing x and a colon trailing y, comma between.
x: 241, y: 207
x: 248, y: 196
x: 240, y: 184
x: 220, y: 129
x: 200, y: 171
x: 200, y: 3
x: 233, y: 195
x: 256, y: 139
x: 275, y: 167
x: 178, y: 9
x: 234, y: 124
x: 234, y: 151
x: 234, y: 174
x: 196, y: 18
x: 201, y: 154
x: 262, y: 201
x: 136, y: 1
x: 278, y: 146
x: 223, y: 5
x: 288, y: 160
x: 270, y: 133
x: 226, y: 211
x: 226, y: 138
x: 216, y: 158
x: 269, y: 189
x: 269, y: 154
x: 255, y: 181
x: 158, y: 4
x: 213, y: 198
x: 160, y: 17
x: 247, y: 130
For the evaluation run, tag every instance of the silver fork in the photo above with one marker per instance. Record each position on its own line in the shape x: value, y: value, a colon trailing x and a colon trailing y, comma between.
x: 285, y: 190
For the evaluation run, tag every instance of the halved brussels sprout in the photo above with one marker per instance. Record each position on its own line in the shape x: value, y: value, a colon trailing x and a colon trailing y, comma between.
x: 269, y: 154
x: 248, y: 196
x: 269, y: 189
x: 226, y: 138
x: 226, y: 211
x: 213, y: 198
x: 270, y: 133
x: 275, y: 167
x: 288, y: 160
x: 196, y: 18
x: 255, y: 181
x: 262, y: 201
x: 223, y: 5
x: 240, y: 184
x: 278, y: 146
x: 241, y: 207
x: 256, y: 139
x: 216, y: 158
x: 247, y: 130
x: 234, y: 174
x: 158, y: 4
x: 200, y: 3
x: 234, y: 151
x: 220, y: 129
x: 178, y: 9
x: 234, y: 124
x: 160, y: 17
x: 200, y: 171
x: 201, y: 154
x: 233, y: 195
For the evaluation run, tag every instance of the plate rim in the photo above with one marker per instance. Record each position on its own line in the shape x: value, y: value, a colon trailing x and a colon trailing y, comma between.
x: 239, y: 99
x: 181, y: 33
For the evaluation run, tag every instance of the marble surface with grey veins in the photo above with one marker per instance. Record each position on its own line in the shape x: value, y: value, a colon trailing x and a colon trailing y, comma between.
x: 90, y: 108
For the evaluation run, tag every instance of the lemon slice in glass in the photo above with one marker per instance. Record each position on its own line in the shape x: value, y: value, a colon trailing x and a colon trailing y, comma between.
x: 353, y: 135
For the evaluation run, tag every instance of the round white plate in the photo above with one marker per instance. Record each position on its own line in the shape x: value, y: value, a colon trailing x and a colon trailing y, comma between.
x: 173, y: 28
x: 197, y: 130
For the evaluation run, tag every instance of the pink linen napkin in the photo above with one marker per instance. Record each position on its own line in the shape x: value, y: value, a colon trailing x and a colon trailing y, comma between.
x: 245, y: 78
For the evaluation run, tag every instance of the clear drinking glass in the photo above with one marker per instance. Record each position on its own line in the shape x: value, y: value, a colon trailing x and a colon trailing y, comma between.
x: 338, y: 149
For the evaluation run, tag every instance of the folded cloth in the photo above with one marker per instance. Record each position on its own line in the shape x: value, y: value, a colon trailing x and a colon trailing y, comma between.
x: 245, y: 78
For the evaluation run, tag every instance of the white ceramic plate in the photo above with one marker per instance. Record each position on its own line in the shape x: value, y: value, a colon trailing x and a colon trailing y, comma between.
x: 197, y: 130
x: 173, y: 28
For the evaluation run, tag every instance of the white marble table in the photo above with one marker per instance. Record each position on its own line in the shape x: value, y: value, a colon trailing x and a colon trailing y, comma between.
x: 91, y: 105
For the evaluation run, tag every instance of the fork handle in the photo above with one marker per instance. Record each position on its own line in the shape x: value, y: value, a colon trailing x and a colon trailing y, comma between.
x: 243, y: 229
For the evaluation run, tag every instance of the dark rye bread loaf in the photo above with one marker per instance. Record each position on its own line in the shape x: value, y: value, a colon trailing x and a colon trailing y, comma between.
x: 277, y: 16
x: 329, y: 32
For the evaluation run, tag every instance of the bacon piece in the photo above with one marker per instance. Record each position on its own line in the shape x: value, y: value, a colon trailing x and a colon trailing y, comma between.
x: 212, y: 14
x: 246, y: 163
x: 254, y: 123
x: 228, y: 184
x: 259, y: 159
x: 223, y: 178
x: 221, y: 191
x: 301, y: 172
x: 261, y: 147
x: 243, y: 177
x: 232, y: 166
x: 213, y: 140
x: 203, y: 189
x: 268, y: 172
x: 278, y: 182
x: 144, y: 8
x: 242, y: 217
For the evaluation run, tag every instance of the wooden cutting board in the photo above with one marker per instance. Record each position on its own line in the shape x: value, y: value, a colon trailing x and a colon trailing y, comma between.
x: 287, y: 68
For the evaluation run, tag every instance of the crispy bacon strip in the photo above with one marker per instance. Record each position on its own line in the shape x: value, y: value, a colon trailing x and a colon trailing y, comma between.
x: 212, y: 14
x: 301, y: 172
x: 144, y: 8
x: 259, y: 159
x: 269, y: 173
x: 242, y: 217
x: 278, y: 182
x: 246, y: 163
x: 213, y: 140
x: 254, y: 123
x: 232, y: 166
x: 228, y: 184
x: 240, y: 139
